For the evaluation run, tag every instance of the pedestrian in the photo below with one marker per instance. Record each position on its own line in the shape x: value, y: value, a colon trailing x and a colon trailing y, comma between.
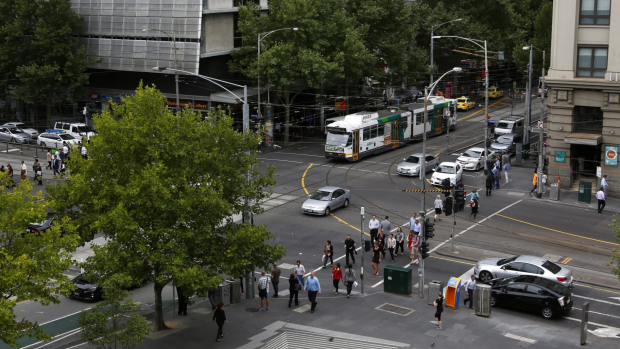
x: 49, y: 160
x: 498, y: 163
x: 376, y: 258
x: 543, y: 182
x: 386, y: 225
x: 219, y: 316
x: 489, y: 184
x: 293, y: 288
x: 415, y: 248
x: 534, y: 182
x: 412, y: 221
x: 211, y: 296
x: 381, y: 240
x: 63, y: 167
x: 474, y: 194
x: 38, y: 174
x: 65, y: 151
x: 600, y: 196
x: 462, y: 205
x: 24, y: 171
x: 182, y: 301
x: 438, y: 309
x: 263, y: 291
x: 438, y: 207
x: 349, y: 247
x: 470, y: 287
x: 336, y: 276
x: 313, y: 287
x: 374, y: 226
x: 34, y: 169
x: 495, y: 176
x: 604, y: 184
x: 391, y: 245
x: 300, y: 271
x: 328, y: 253
x: 400, y: 241
x: 11, y: 182
x: 56, y: 165
x: 83, y: 150
x: 349, y: 279
x: 506, y: 170
x: 275, y: 279
x: 417, y: 227
x: 473, y: 203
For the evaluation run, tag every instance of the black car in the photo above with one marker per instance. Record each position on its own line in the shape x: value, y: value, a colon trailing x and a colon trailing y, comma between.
x: 532, y: 293
x: 86, y: 290
x: 40, y: 227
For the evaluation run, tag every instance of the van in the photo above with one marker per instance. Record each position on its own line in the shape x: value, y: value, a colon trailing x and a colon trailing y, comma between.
x: 508, y: 126
x: 77, y: 130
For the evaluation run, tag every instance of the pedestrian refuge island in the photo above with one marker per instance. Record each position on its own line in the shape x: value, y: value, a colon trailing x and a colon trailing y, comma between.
x: 453, y: 293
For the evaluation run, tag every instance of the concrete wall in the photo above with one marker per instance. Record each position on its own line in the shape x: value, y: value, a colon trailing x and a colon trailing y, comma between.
x: 218, y: 32
x: 218, y: 4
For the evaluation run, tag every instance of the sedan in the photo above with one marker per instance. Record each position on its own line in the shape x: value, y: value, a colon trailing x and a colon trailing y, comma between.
x: 495, y: 268
x: 533, y: 293
x: 85, y: 290
x: 506, y: 144
x: 465, y: 103
x: 325, y: 200
x: 40, y: 227
x: 29, y: 130
x: 495, y: 92
x: 447, y: 170
x: 55, y: 140
x: 472, y: 159
x: 411, y: 165
x: 13, y: 135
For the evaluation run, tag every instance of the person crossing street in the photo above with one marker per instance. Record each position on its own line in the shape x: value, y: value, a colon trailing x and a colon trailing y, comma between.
x: 600, y: 196
x: 374, y: 226
x: 400, y: 241
x: 349, y: 247
x: 314, y: 288
x: 470, y: 287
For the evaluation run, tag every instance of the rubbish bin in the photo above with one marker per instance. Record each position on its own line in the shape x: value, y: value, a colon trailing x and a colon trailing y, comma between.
x: 434, y: 287
x: 482, y: 304
x: 235, y: 290
x: 222, y: 294
x: 397, y: 280
x: 554, y: 194
x: 585, y: 192
x: 366, y: 245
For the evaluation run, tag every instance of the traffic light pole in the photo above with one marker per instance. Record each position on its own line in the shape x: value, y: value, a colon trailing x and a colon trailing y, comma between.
x: 422, y: 240
x: 363, y: 250
x: 453, y: 215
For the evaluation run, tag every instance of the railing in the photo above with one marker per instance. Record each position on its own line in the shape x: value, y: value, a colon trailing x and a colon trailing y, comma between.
x: 27, y: 146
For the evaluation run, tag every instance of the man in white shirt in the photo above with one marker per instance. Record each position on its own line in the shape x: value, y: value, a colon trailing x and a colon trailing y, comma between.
x: 604, y: 184
x: 600, y: 196
x: 263, y: 291
x: 412, y: 221
x: 417, y: 227
x: 470, y: 287
x: 65, y: 151
x: 300, y: 271
x: 374, y: 225
x: 84, y: 152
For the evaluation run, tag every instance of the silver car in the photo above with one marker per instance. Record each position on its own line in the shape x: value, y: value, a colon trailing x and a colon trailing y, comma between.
x: 494, y: 268
x: 31, y: 131
x: 325, y: 200
x: 13, y: 135
x: 411, y: 165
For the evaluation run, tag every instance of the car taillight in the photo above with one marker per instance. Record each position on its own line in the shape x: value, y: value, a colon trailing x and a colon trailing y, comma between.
x: 562, y: 278
x: 561, y: 301
x: 36, y: 231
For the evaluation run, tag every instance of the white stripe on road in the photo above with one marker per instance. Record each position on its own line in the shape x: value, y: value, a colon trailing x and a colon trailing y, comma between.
x: 592, y: 323
x: 594, y: 312
x: 597, y: 300
x: 335, y: 260
x: 296, y: 162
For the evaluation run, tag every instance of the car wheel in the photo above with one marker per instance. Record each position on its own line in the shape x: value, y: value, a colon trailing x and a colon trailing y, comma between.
x: 486, y: 277
x: 546, y: 312
x: 493, y: 301
x: 477, y: 167
x: 44, y: 145
x: 327, y: 211
x: 13, y: 140
x: 346, y: 203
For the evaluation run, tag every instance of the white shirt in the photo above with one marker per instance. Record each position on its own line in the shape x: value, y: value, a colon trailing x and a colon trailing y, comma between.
x: 438, y: 203
x: 391, y: 242
x: 603, y: 182
x: 83, y: 150
x: 24, y: 168
x: 470, y: 285
x: 299, y: 270
x: 65, y: 149
x: 374, y: 224
x: 600, y: 195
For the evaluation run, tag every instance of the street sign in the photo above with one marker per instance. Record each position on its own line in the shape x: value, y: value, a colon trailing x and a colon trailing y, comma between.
x: 598, y: 171
x: 560, y: 156
x: 540, y: 124
x: 611, y: 155
x: 500, y: 55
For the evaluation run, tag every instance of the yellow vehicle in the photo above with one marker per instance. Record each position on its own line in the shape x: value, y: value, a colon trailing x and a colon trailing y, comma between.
x: 465, y: 103
x: 495, y: 92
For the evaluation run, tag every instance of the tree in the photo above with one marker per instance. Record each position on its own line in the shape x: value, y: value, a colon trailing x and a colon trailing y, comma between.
x: 39, y: 55
x: 163, y: 188
x: 615, y: 260
x: 31, y: 265
x: 540, y: 38
x: 114, y: 323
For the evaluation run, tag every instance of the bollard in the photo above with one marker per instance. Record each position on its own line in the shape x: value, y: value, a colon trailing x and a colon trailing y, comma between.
x: 585, y: 309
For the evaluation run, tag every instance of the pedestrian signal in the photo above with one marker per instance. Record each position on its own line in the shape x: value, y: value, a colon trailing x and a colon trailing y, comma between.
x: 429, y: 229
x: 424, y: 249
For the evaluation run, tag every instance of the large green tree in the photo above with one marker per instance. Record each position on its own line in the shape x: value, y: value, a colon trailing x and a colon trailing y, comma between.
x: 540, y: 37
x: 31, y: 265
x: 163, y: 188
x: 39, y: 56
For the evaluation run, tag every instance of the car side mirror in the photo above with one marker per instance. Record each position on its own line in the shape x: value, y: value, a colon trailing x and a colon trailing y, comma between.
x: 434, y: 170
x: 503, y: 268
x: 333, y: 199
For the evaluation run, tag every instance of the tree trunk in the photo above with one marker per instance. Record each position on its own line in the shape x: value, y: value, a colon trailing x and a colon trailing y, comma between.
x: 48, y: 112
x: 159, y: 311
x: 287, y: 115
x: 346, y: 95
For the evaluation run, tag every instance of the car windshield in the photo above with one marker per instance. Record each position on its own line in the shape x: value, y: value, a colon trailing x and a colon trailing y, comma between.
x: 461, y: 100
x: 552, y: 267
x: 446, y: 169
x: 413, y: 159
x: 321, y: 195
x: 504, y: 140
x: 506, y: 260
x: 472, y: 154
x: 67, y: 137
x: 16, y: 130
x: 503, y: 124
x: 81, y: 129
x: 339, y: 139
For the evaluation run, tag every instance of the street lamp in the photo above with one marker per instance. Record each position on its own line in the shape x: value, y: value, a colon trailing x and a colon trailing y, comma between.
x: 542, y: 113
x: 176, y: 63
x: 262, y: 36
x: 432, y: 36
x: 486, y: 91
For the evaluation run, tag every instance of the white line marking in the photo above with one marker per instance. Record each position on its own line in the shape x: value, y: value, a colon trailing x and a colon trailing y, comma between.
x: 335, y: 260
x: 596, y: 300
x: 377, y: 284
x: 316, y: 156
x: 592, y: 323
x: 519, y: 338
x: 296, y: 162
x: 594, y: 312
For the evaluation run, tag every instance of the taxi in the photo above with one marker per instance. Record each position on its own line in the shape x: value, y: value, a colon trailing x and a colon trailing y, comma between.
x: 465, y: 103
x: 495, y: 92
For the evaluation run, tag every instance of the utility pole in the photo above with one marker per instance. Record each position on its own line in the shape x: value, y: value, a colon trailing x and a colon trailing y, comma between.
x: 453, y: 215
x: 422, y: 240
x: 363, y: 249
x: 541, y: 160
x: 528, y: 98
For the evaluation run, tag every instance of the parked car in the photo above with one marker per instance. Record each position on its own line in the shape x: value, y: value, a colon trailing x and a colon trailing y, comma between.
x: 450, y: 170
x: 39, y: 228
x: 29, y: 130
x: 77, y: 130
x: 55, y: 140
x: 472, y: 159
x: 465, y: 103
x: 13, y: 135
x: 495, y: 92
x: 494, y: 268
x: 507, y: 126
x: 85, y: 290
x: 412, y: 164
x: 534, y: 294
x: 506, y: 144
x: 325, y: 200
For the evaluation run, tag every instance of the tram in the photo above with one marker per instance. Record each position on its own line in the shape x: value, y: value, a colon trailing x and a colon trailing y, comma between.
x: 355, y: 136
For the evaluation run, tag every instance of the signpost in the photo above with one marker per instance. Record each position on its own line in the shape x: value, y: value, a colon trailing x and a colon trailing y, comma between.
x: 560, y: 156
x: 611, y: 155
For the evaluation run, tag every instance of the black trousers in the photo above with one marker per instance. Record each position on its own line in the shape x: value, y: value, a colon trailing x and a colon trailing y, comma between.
x: 312, y: 298
x: 220, y: 330
x: 349, y: 287
x: 601, y: 205
x: 336, y: 284
x: 470, y: 298
x: 182, y: 304
x: 400, y: 244
x: 350, y: 252
x: 489, y: 189
x: 290, y: 297
x: 373, y: 236
x: 391, y: 252
x: 326, y: 257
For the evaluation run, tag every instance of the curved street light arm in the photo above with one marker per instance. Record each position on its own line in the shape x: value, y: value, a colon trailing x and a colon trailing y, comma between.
x: 439, y: 25
x: 273, y: 31
x: 212, y: 80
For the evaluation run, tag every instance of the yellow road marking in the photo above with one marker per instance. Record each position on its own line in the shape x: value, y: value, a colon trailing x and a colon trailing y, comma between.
x: 596, y: 288
x: 452, y: 260
x: 431, y: 183
x: 342, y: 221
x: 479, y: 111
x: 568, y: 259
x: 557, y: 231
x: 303, y: 177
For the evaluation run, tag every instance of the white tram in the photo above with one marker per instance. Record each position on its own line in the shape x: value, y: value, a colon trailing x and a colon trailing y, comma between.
x: 361, y: 134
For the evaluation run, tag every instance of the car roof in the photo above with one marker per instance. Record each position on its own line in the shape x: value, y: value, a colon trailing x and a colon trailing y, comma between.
x: 448, y: 163
x: 476, y: 149
x: 329, y: 188
x: 530, y: 259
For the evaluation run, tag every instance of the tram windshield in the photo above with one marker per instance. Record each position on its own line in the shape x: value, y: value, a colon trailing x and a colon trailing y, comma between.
x: 338, y: 139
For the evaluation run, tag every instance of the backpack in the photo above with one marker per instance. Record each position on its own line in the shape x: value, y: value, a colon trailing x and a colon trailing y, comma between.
x: 472, y: 203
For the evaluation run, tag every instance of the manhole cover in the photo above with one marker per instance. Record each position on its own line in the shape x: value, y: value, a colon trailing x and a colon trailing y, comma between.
x: 395, y: 309
x: 251, y: 310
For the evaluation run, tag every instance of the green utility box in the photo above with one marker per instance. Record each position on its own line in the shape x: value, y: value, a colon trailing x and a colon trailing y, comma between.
x: 585, y: 192
x: 397, y: 280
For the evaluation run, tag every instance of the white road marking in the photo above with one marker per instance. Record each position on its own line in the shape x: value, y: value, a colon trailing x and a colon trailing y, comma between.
x: 377, y: 284
x: 605, y: 332
x: 593, y: 323
x: 596, y: 300
x: 335, y: 260
x: 519, y: 338
x: 296, y: 162
x: 616, y: 298
x: 464, y: 278
x: 594, y: 312
x: 303, y: 308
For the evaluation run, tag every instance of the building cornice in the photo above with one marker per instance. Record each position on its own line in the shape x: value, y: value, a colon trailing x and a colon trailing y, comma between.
x: 571, y: 84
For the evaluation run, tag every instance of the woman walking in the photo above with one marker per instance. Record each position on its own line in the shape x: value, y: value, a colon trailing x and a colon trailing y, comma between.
x: 474, y: 206
x: 400, y: 241
x: 10, y: 183
x: 349, y: 279
x: 337, y: 276
x: 293, y: 288
x: 38, y: 173
x: 24, y: 171
x: 391, y: 244
x: 49, y: 160
x: 438, y: 207
x: 489, y: 184
x: 438, y: 309
x: 219, y: 317
x: 376, y: 254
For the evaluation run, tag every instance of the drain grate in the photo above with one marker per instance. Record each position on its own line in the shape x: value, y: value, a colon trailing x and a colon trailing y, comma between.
x: 395, y: 309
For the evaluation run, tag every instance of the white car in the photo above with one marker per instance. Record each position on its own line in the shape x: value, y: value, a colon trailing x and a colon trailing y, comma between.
x: 31, y: 131
x: 472, y: 159
x: 450, y: 170
x: 54, y: 140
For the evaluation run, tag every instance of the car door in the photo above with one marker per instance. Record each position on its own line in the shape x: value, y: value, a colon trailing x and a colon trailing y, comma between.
x: 338, y: 198
x: 510, y: 269
x: 514, y: 295
x: 531, y: 269
x: 534, y: 297
x: 431, y: 161
x: 333, y: 201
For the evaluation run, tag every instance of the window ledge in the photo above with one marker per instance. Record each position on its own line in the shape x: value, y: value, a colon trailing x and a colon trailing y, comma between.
x: 593, y: 26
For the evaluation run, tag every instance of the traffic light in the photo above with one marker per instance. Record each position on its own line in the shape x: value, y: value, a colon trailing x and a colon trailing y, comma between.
x: 445, y: 185
x: 447, y: 206
x: 424, y: 249
x: 429, y: 229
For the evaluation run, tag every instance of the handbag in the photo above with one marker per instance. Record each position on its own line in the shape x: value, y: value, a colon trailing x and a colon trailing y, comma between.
x: 262, y: 293
x: 297, y: 287
x: 354, y: 283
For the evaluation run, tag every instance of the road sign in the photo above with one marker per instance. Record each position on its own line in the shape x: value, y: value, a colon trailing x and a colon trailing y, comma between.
x: 598, y: 171
x: 540, y: 124
x: 500, y: 55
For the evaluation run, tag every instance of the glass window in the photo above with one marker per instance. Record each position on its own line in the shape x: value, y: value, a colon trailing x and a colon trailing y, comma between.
x: 418, y: 119
x: 592, y: 62
x: 515, y: 288
x: 413, y: 159
x: 532, y: 269
x: 373, y: 131
x: 366, y: 134
x: 381, y: 130
x: 534, y: 290
x: 595, y: 12
x: 514, y: 266
x: 552, y: 267
x: 321, y: 195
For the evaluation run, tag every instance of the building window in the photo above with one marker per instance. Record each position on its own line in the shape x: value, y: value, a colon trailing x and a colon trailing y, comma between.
x: 592, y: 62
x: 237, y: 3
x: 238, y: 38
x: 595, y: 12
x: 588, y: 119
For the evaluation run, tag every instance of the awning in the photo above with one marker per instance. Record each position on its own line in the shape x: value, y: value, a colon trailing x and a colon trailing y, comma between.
x: 226, y: 97
x: 584, y: 139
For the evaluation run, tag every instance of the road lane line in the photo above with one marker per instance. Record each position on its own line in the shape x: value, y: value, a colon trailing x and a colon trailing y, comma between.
x: 590, y: 322
x: 303, y: 178
x: 594, y: 312
x: 596, y: 300
x: 335, y: 260
x: 557, y: 231
x: 342, y: 221
x: 295, y: 162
